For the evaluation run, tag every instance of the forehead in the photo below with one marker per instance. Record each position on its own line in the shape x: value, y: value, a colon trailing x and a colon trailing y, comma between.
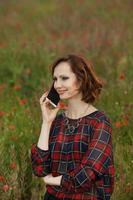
x: 62, y: 68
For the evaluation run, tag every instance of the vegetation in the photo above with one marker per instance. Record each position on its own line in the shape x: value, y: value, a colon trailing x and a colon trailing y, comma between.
x: 34, y: 33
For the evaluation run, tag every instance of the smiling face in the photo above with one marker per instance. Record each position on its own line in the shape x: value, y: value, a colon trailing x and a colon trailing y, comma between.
x: 65, y: 81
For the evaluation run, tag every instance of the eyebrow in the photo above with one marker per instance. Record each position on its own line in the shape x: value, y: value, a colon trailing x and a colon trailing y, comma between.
x: 59, y: 76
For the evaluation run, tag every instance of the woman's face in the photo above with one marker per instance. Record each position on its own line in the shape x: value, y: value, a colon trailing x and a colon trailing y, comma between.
x: 65, y: 81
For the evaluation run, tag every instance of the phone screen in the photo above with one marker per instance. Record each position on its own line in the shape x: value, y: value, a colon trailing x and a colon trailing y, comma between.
x: 53, y: 96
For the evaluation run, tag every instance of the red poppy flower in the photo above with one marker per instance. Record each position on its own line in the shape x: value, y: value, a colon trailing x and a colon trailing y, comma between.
x: 2, y: 113
x: 17, y: 87
x: 118, y: 124
x: 13, y: 165
x: 3, y: 45
x: 122, y: 76
x: 22, y: 102
x: 62, y: 105
x: 5, y: 188
x: 2, y: 178
x: 125, y: 122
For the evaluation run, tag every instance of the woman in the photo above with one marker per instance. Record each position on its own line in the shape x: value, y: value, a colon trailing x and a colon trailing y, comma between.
x: 74, y: 151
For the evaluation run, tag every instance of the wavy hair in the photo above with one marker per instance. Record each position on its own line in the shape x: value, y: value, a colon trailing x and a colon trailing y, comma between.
x: 90, y: 84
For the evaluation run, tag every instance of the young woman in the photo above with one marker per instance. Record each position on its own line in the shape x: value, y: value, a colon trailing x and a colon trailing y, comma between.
x: 74, y: 151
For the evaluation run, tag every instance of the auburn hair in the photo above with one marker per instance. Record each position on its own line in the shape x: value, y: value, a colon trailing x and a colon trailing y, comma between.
x: 90, y: 84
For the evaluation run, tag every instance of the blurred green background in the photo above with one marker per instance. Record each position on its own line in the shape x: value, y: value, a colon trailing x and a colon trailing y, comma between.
x: 33, y: 34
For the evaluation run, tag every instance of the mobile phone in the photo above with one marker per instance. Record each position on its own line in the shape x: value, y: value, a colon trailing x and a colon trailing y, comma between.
x: 53, y: 96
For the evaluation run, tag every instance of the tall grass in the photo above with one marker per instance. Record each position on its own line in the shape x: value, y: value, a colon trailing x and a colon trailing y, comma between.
x: 33, y: 34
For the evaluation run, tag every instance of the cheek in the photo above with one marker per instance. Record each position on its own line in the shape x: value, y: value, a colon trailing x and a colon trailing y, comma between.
x: 73, y: 86
x: 76, y: 85
x: 74, y: 89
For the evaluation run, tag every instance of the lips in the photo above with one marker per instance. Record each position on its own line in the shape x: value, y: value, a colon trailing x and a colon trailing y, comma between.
x: 61, y: 91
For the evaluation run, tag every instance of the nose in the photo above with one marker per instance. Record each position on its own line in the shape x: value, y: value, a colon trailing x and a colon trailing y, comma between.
x: 57, y: 84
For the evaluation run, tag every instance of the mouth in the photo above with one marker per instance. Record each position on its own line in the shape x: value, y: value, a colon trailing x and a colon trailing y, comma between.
x: 61, y: 91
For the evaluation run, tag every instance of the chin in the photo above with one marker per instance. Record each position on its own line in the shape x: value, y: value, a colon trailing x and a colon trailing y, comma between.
x: 63, y: 97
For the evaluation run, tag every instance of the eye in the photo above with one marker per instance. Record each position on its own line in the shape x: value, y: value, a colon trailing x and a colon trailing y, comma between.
x: 65, y: 78
x: 62, y: 77
x: 54, y: 78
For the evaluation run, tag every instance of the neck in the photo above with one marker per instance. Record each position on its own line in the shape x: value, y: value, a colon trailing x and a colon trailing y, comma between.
x: 77, y: 108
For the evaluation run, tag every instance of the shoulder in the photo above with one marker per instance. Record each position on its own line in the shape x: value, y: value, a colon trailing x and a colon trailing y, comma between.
x: 100, y: 117
x: 103, y: 122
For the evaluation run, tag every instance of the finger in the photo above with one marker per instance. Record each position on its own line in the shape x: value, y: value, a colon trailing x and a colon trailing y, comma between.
x: 45, y: 94
x: 43, y: 97
x: 45, y: 102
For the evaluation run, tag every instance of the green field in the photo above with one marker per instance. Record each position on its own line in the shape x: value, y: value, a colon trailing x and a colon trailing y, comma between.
x: 32, y: 35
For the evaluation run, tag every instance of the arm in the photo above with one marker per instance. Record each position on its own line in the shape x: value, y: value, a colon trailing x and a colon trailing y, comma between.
x: 40, y: 154
x: 43, y: 142
x: 95, y: 161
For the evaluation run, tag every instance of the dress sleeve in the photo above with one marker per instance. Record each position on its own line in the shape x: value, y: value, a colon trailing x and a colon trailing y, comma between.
x: 95, y: 161
x: 41, y: 161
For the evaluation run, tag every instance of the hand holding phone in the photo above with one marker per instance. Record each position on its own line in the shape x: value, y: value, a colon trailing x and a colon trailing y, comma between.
x: 53, y: 96
x: 48, y: 113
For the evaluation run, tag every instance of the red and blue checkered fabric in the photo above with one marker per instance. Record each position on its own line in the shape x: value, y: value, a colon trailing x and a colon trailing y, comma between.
x: 84, y: 158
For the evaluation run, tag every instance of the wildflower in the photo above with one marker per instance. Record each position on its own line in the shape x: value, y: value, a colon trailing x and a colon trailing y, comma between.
x: 12, y: 127
x: 125, y: 116
x: 2, y: 45
x: 5, y: 188
x: 62, y: 105
x: 13, y: 165
x: 17, y: 87
x: 122, y: 76
x: 2, y: 113
x: 128, y: 188
x: 27, y: 111
x: 118, y: 124
x: 66, y: 34
x: 22, y: 102
x: 2, y: 178
x: 125, y: 122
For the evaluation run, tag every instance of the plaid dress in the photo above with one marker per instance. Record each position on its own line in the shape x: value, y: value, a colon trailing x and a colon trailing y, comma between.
x: 84, y: 158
